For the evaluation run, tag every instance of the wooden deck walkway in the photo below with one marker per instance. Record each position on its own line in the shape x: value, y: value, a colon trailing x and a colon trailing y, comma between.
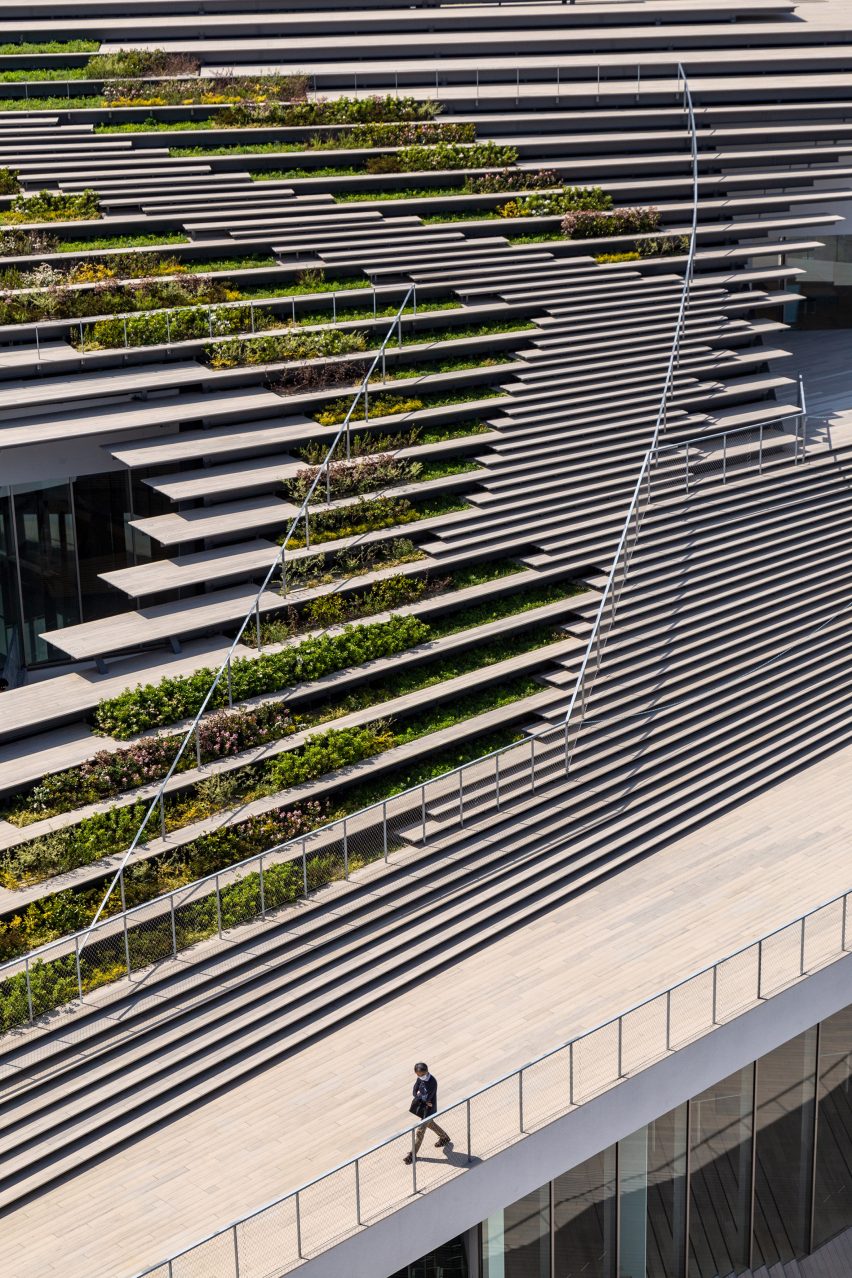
x: 750, y: 871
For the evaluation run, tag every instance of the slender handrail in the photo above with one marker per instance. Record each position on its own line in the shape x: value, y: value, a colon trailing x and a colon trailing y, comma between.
x: 799, y: 971
x: 586, y: 675
x: 253, y: 611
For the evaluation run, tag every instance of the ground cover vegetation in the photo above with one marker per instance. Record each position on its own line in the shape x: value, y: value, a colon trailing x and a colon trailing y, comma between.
x: 53, y: 206
x: 442, y: 157
x: 314, y: 451
x: 388, y: 404
x: 316, y: 756
x: 294, y: 345
x: 54, y: 982
x: 302, y: 114
x: 229, y: 732
x: 358, y: 136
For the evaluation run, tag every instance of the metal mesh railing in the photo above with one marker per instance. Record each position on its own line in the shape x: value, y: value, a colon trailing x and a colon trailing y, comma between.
x: 303, y: 1224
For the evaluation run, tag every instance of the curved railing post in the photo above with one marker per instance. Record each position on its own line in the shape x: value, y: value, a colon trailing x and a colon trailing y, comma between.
x: 588, y: 669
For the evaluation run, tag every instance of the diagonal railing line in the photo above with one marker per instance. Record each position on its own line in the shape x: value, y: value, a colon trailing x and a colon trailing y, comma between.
x: 767, y: 974
x: 577, y: 706
x: 253, y: 612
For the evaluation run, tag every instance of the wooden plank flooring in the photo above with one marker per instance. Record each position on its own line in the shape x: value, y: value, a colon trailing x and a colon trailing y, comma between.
x: 748, y: 872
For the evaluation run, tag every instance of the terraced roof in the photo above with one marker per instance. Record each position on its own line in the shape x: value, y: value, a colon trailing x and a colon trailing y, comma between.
x: 497, y: 201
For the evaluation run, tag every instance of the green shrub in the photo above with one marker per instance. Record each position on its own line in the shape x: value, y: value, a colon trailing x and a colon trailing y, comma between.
x: 371, y: 514
x: 605, y: 258
x: 48, y: 46
x: 445, y: 155
x: 133, y: 63
x: 8, y: 181
x: 551, y: 203
x: 50, y: 206
x: 586, y: 224
x: 204, y: 90
x: 326, y: 111
x: 172, y: 699
x: 509, y: 180
x: 360, y: 136
x: 284, y: 347
x: 664, y: 246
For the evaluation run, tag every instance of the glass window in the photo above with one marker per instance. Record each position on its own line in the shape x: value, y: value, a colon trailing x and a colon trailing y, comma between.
x: 10, y: 653
x: 720, y: 1131
x: 516, y: 1242
x: 833, y: 1181
x: 666, y: 1205
x: 784, y: 1150
x: 652, y: 1199
x: 48, y: 564
x: 633, y: 1204
x: 101, y: 511
x: 584, y: 1214
x: 449, y: 1261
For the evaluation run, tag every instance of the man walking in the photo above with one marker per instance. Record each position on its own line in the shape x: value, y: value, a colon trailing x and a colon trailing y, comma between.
x: 424, y: 1103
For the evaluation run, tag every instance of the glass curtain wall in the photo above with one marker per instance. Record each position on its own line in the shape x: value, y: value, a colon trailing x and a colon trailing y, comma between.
x: 56, y: 539
x: 786, y: 1084
x: 833, y: 1178
x: 754, y: 1171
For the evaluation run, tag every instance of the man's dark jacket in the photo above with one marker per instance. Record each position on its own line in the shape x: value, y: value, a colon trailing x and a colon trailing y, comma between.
x: 426, y: 1091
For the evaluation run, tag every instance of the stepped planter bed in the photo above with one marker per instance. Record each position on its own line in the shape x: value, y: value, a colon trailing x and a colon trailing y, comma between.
x: 197, y: 913
x: 380, y: 718
x: 509, y: 624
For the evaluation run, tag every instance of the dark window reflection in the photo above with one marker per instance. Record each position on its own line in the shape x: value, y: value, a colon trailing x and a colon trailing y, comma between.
x: 517, y: 1240
x: 11, y: 654
x: 833, y: 1186
x: 584, y: 1213
x: 101, y: 510
x: 48, y: 565
x: 666, y: 1204
x: 720, y: 1184
x: 783, y: 1152
x: 449, y: 1261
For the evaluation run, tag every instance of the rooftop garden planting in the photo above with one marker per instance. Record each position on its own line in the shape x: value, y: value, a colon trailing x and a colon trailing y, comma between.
x: 106, y: 833
x: 358, y: 136
x: 8, y: 181
x: 314, y: 451
x: 565, y: 200
x: 10, y: 48
x: 53, y: 206
x: 206, y: 91
x: 247, y: 115
x: 588, y: 224
x: 442, y: 157
x: 201, y: 321
x: 327, y: 341
x: 281, y: 347
x: 55, y: 982
x: 229, y: 733
x: 63, y: 103
x: 54, y: 297
x: 179, y: 697
x: 372, y: 514
x: 161, y: 239
x: 390, y: 405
